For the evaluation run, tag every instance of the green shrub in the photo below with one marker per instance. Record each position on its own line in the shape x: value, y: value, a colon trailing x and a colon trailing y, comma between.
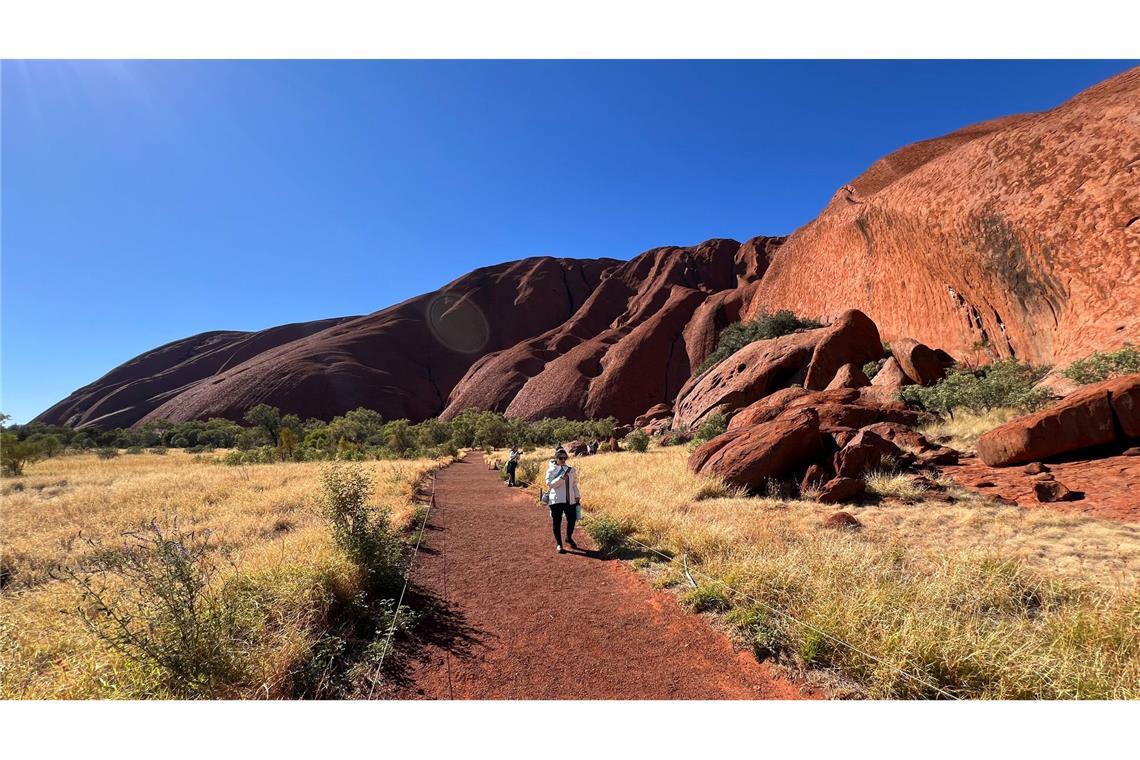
x: 361, y: 530
x: 528, y: 471
x: 607, y: 533
x: 765, y: 327
x: 107, y: 453
x: 153, y: 599
x: 714, y: 425
x: 1006, y: 383
x: 1104, y: 364
x: 706, y: 598
x: 637, y: 441
x: 134, y: 450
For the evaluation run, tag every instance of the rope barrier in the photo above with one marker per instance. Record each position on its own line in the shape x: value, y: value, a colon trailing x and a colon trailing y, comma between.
x: 808, y: 626
x: 400, y: 602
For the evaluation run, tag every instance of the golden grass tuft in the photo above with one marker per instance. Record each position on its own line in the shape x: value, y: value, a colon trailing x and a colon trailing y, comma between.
x: 963, y: 430
x: 265, y: 517
x: 979, y: 599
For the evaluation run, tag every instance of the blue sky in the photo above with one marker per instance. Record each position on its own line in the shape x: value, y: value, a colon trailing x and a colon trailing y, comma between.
x: 146, y: 201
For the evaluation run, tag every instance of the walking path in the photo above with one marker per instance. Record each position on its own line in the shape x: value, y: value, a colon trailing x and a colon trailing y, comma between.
x: 506, y: 617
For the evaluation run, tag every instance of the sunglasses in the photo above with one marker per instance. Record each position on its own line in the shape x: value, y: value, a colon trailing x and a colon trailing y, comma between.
x: 561, y: 459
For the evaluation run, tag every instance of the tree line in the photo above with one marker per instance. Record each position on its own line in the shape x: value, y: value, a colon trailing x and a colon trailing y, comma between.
x: 267, y: 435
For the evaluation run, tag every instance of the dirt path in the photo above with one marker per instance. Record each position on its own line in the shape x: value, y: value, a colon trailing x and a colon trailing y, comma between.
x: 509, y: 618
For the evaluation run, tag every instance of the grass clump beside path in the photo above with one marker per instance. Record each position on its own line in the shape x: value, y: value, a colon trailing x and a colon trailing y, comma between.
x: 260, y: 573
x: 978, y: 599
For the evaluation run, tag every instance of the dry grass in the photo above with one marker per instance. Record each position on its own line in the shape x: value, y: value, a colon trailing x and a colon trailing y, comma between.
x: 963, y: 430
x: 983, y: 600
x: 264, y: 518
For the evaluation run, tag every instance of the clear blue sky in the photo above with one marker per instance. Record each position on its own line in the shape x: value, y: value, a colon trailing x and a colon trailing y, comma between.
x: 147, y: 201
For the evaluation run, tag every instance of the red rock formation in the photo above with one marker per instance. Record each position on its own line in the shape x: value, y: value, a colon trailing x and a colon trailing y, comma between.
x: 1019, y: 236
x: 631, y: 345
x: 1016, y: 236
x: 751, y: 456
x: 812, y: 357
x: 401, y: 361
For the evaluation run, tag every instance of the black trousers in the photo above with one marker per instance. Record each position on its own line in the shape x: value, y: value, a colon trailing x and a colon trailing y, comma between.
x: 511, y: 467
x: 556, y: 513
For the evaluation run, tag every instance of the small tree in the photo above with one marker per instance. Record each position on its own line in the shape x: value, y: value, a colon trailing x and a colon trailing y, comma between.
x: 14, y: 454
x: 266, y: 417
x: 362, y: 531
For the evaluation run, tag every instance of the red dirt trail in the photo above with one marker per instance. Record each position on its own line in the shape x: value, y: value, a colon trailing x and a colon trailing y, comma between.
x: 506, y: 617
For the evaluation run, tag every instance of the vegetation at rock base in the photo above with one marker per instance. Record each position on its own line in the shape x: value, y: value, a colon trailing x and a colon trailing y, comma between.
x: 1103, y: 365
x: 765, y: 327
x: 972, y: 597
x: 1004, y: 384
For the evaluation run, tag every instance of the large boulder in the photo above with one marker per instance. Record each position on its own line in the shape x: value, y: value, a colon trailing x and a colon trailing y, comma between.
x: 850, y: 339
x: 654, y: 413
x: 811, y: 358
x: 1099, y: 414
x: 751, y: 456
x: 848, y: 376
x: 921, y: 364
x: 837, y: 408
x: 864, y: 452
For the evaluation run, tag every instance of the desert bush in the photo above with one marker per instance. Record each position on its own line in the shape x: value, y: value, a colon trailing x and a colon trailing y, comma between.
x: 362, y: 531
x: 765, y: 327
x: 160, y: 450
x: 637, y: 441
x: 107, y: 453
x: 607, y: 533
x: 889, y: 483
x: 528, y: 471
x: 153, y: 600
x: 716, y: 424
x: 1006, y: 383
x: 1104, y: 364
x: 134, y: 450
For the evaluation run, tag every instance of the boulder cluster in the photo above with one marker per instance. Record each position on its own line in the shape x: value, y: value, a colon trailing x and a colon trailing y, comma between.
x: 800, y: 407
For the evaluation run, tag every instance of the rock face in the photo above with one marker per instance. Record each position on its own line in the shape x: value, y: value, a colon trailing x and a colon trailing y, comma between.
x: 631, y: 345
x: 401, y: 361
x: 1018, y: 236
x: 1103, y: 413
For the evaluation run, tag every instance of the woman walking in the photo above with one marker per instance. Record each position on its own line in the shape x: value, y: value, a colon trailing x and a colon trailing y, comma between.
x: 562, y: 480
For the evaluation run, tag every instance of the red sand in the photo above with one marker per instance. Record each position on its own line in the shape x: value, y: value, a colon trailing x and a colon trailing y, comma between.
x: 515, y: 620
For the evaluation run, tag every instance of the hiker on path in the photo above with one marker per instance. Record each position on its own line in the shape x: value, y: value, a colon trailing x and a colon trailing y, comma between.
x: 512, y: 466
x: 562, y: 480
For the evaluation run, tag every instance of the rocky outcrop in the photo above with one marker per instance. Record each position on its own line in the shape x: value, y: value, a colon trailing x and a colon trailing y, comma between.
x: 752, y: 456
x: 632, y: 344
x: 1099, y: 414
x: 1015, y: 237
x: 811, y: 357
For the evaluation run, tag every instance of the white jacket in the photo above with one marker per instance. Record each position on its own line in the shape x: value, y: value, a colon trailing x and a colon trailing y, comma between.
x: 561, y: 479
